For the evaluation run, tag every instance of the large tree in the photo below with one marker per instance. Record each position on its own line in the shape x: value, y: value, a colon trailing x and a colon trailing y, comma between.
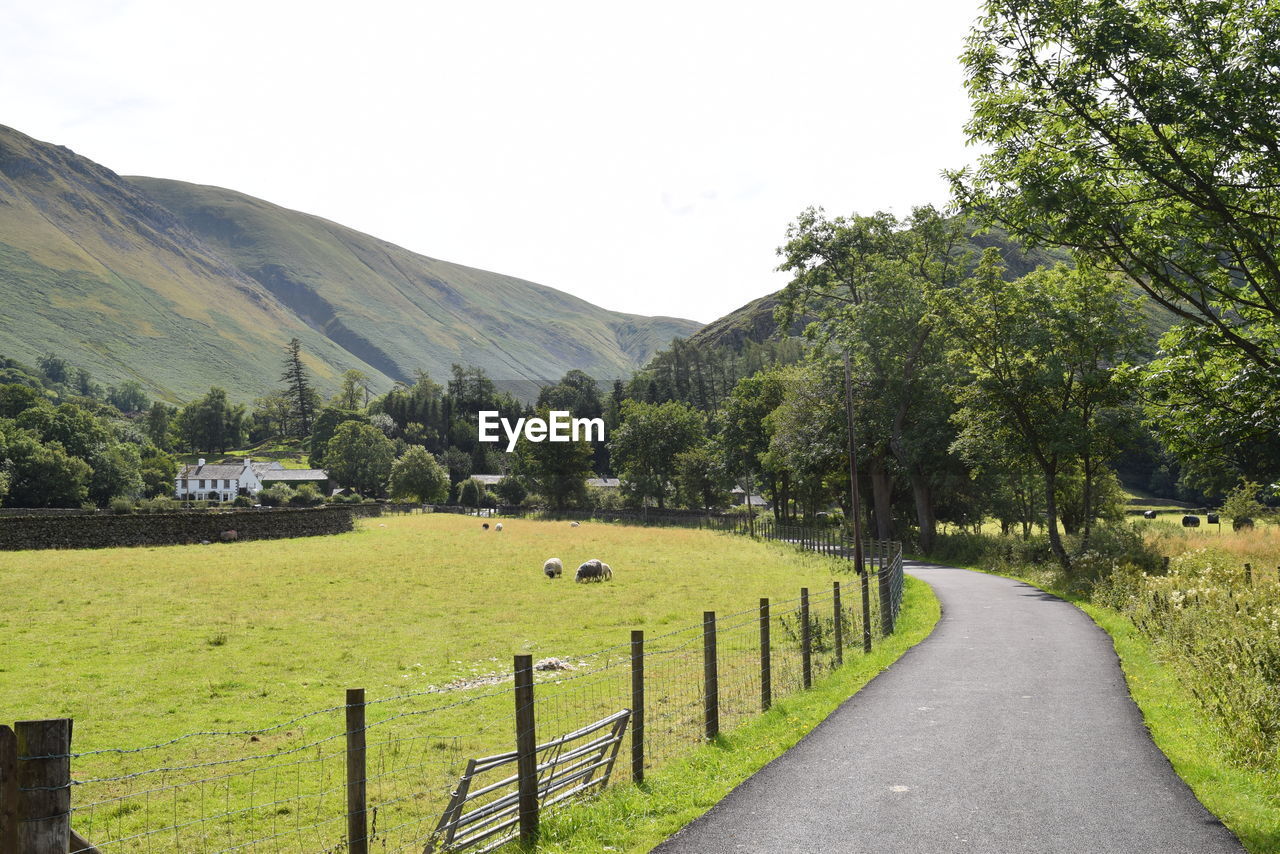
x: 645, y: 446
x: 360, y: 457
x: 1040, y: 353
x: 1144, y: 135
x: 303, y: 398
x: 418, y: 475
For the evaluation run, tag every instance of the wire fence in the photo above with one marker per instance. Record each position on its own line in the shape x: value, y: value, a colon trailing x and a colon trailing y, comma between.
x: 377, y: 774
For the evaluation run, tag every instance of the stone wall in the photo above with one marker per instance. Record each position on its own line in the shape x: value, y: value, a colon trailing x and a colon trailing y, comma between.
x: 162, y: 529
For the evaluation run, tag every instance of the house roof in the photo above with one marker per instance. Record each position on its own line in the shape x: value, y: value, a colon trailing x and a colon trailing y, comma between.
x: 604, y: 482
x: 487, y: 479
x: 267, y: 465
x: 216, y: 472
x: 293, y: 475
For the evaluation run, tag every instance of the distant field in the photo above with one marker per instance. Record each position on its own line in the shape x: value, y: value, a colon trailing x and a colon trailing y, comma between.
x: 140, y: 646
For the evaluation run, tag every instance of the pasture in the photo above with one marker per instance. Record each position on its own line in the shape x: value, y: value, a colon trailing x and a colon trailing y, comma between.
x: 140, y: 646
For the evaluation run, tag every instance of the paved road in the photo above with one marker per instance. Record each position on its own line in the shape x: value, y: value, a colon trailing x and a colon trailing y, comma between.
x: 1009, y: 729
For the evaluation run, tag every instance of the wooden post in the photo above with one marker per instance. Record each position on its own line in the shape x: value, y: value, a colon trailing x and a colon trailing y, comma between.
x: 526, y: 751
x: 1248, y: 575
x: 8, y: 790
x: 710, y: 674
x: 866, y: 609
x: 766, y: 671
x: 44, y: 786
x: 806, y: 640
x: 839, y: 622
x: 357, y: 775
x: 637, y: 705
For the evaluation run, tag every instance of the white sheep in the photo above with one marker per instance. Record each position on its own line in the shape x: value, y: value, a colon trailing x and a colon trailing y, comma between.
x: 553, y: 567
x: 574, y: 524
x: 497, y: 527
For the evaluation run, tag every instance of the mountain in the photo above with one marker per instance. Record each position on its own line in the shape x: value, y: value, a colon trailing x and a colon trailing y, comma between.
x: 182, y: 287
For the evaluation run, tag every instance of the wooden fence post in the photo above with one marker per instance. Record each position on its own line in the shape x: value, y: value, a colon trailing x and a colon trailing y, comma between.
x: 710, y: 674
x: 637, y: 705
x: 8, y: 790
x: 526, y: 750
x: 806, y: 640
x: 866, y: 608
x: 357, y: 775
x: 1248, y: 575
x: 838, y: 623
x: 44, y: 785
x: 766, y: 671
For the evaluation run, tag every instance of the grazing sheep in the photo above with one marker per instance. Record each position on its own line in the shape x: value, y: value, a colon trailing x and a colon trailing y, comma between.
x: 553, y: 567
x: 484, y: 525
x: 594, y: 570
x: 497, y: 527
x: 574, y: 524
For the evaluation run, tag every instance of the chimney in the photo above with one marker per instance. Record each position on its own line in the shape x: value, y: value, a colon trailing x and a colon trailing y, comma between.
x: 200, y: 462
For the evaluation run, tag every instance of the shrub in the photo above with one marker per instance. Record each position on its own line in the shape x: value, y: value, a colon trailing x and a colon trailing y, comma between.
x: 121, y: 505
x: 242, y: 501
x: 306, y: 495
x: 277, y: 495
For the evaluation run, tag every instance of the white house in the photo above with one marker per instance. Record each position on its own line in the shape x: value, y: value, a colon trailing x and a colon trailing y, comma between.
x: 203, y: 482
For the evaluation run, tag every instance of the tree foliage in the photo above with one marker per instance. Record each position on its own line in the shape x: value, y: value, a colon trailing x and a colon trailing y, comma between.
x: 418, y: 476
x: 360, y: 457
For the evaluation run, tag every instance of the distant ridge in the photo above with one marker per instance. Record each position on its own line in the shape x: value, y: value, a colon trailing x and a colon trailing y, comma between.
x: 182, y: 286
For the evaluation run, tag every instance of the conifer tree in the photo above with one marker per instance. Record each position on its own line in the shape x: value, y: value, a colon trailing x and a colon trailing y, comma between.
x: 298, y: 390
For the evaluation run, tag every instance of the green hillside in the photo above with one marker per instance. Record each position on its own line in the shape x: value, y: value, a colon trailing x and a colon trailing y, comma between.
x: 182, y: 287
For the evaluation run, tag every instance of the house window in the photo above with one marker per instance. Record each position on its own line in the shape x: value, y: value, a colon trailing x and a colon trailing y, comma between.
x: 202, y: 484
x: 226, y: 484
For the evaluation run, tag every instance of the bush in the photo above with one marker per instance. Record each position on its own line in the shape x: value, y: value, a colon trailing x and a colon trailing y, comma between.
x: 510, y: 490
x: 306, y: 495
x: 159, y: 504
x: 600, y: 498
x: 121, y: 505
x: 277, y: 495
x: 242, y: 501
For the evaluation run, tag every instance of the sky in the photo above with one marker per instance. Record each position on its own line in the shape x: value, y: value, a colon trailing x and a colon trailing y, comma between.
x: 645, y: 157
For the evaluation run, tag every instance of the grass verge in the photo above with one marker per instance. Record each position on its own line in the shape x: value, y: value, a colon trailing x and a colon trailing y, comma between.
x: 635, y: 818
x: 1247, y: 801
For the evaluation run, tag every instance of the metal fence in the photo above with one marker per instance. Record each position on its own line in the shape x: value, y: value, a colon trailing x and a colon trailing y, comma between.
x: 378, y: 774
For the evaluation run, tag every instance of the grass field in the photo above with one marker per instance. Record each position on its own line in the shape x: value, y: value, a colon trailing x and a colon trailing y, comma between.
x: 141, y: 646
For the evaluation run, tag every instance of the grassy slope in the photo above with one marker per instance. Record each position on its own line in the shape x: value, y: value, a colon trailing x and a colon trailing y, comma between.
x: 400, y: 310
x: 635, y: 818
x: 1246, y: 801
x: 94, y: 268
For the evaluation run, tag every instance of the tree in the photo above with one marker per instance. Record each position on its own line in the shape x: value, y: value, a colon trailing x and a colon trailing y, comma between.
x: 45, y: 475
x: 744, y: 441
x: 354, y: 393
x: 211, y: 423
x: 360, y: 457
x: 159, y: 418
x: 645, y: 446
x: 701, y: 479
x: 272, y: 415
x: 419, y: 477
x: 1040, y: 354
x: 808, y: 434
x: 54, y: 368
x: 303, y: 399
x: 558, y: 471
x: 471, y: 493
x: 324, y: 428
x: 158, y: 472
x: 127, y: 397
x: 1143, y: 136
x: 458, y: 464
x: 16, y: 399
x: 510, y: 490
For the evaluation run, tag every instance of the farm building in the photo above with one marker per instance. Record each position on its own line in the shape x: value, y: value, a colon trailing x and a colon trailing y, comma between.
x: 203, y: 482
x: 271, y: 473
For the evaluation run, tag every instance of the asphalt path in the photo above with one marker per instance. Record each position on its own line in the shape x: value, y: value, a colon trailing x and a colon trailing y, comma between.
x: 1009, y: 729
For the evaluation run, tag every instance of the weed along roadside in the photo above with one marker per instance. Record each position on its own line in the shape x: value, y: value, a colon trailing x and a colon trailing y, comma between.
x: 251, y: 758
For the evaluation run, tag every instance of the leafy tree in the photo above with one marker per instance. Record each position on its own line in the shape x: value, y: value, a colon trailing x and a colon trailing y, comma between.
x: 744, y: 441
x: 645, y: 446
x: 16, y: 399
x: 44, y: 475
x: 360, y: 457
x: 354, y: 393
x: 272, y: 415
x: 808, y: 434
x: 1040, y: 353
x: 211, y: 423
x: 326, y: 425
x: 701, y: 479
x: 1143, y: 136
x: 419, y: 477
x: 556, y: 470
x: 471, y: 493
x: 1242, y: 503
x: 158, y: 472
x: 303, y: 398
x: 116, y: 473
x: 458, y: 464
x: 54, y: 368
x: 127, y: 397
x: 510, y: 490
x: 159, y: 420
